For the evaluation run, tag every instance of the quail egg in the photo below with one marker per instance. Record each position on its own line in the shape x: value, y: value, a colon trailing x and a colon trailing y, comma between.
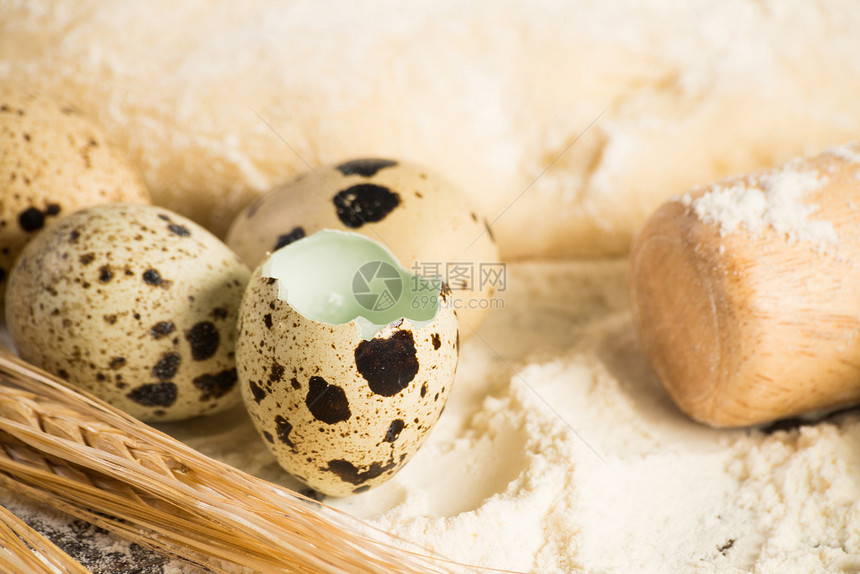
x: 134, y: 304
x: 345, y: 359
x: 426, y: 221
x: 53, y: 161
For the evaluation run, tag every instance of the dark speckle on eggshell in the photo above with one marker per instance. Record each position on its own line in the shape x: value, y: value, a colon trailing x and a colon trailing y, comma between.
x: 347, y: 471
x: 117, y: 363
x: 258, y: 392
x: 204, y: 339
x: 152, y: 277
x: 437, y: 341
x: 276, y: 372
x: 165, y: 368
x: 31, y: 219
x: 327, y: 403
x: 283, y: 429
x: 154, y: 395
x: 388, y: 365
x: 445, y: 292
x: 162, y: 329
x: 105, y: 274
x: 365, y: 167
x: 364, y: 203
x: 214, y: 386
x: 285, y: 239
x: 394, y: 430
x: 179, y: 230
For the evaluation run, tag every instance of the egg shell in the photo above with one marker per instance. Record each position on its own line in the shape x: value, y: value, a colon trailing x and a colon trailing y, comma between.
x: 135, y: 304
x: 319, y: 395
x: 53, y: 162
x: 426, y: 221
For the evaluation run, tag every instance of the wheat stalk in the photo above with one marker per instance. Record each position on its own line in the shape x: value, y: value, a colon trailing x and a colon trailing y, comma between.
x: 22, y: 549
x: 78, y: 454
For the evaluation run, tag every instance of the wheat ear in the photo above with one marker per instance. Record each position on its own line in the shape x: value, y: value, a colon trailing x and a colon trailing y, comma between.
x: 73, y: 451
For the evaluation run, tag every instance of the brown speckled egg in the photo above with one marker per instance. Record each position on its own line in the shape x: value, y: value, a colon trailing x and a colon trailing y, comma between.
x: 427, y: 222
x: 345, y: 360
x: 53, y: 161
x: 135, y: 304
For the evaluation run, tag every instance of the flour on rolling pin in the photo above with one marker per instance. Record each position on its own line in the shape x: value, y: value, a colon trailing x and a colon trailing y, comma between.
x: 746, y: 293
x: 772, y: 199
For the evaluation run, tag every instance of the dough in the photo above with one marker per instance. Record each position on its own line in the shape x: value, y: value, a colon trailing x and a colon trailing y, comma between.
x: 217, y: 101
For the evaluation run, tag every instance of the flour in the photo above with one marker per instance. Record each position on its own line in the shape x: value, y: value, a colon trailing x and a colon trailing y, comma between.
x: 848, y: 152
x: 559, y: 451
x: 777, y: 199
x: 217, y: 101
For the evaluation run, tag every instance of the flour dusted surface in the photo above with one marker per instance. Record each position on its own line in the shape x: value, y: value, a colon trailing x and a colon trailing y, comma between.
x: 560, y: 452
x: 216, y: 101
x: 510, y: 478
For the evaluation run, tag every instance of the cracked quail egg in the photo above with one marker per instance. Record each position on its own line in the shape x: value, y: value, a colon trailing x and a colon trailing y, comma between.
x: 345, y: 359
x: 53, y: 161
x: 428, y: 223
x: 134, y: 304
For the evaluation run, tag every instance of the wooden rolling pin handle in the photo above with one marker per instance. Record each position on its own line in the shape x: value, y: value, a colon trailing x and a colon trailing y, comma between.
x: 748, y: 327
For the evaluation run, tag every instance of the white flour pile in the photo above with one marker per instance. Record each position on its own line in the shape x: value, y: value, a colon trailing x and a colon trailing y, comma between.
x: 777, y: 199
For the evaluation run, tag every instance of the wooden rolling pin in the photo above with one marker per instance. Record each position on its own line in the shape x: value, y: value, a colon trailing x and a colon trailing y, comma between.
x: 746, y: 294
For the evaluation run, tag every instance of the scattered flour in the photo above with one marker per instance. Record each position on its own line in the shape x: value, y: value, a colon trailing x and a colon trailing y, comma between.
x: 848, y: 152
x: 559, y: 452
x: 776, y: 199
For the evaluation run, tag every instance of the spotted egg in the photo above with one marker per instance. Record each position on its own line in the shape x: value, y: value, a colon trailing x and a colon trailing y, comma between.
x: 345, y: 360
x: 429, y: 224
x: 53, y: 161
x: 135, y: 304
